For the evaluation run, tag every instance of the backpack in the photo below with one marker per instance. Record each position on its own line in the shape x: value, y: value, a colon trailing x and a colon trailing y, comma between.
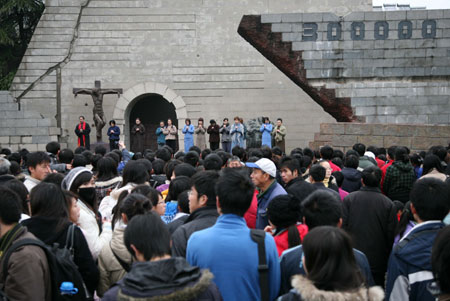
x: 61, y: 265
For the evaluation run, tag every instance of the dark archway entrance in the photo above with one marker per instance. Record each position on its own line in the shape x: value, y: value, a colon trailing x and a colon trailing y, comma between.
x: 151, y: 109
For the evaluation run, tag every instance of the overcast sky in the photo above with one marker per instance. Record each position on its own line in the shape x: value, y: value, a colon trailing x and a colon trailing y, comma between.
x: 430, y: 4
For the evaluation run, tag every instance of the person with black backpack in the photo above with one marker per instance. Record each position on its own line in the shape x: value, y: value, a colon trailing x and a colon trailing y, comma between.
x: 27, y: 274
x: 50, y: 223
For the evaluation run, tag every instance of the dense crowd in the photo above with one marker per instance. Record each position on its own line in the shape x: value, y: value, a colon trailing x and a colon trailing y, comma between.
x: 256, y: 224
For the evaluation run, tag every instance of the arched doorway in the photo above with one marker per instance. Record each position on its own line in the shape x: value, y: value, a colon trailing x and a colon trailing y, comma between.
x: 151, y: 108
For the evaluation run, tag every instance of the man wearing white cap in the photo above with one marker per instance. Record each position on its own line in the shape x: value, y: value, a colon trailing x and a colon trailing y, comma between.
x: 263, y: 176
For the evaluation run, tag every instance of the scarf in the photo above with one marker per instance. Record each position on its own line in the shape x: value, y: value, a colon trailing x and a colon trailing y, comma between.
x: 84, y: 136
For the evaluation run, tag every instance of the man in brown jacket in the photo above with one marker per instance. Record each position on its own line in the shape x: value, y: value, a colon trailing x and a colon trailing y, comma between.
x: 28, y: 276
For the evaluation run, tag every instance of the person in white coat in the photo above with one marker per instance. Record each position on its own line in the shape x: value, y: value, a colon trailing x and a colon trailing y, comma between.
x: 98, y: 232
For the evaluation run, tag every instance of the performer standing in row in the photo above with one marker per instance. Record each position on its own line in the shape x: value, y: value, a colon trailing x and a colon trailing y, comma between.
x: 188, y: 131
x: 137, y: 132
x: 170, y: 131
x: 160, y: 137
x: 82, y: 130
x: 114, y: 135
x: 200, y: 131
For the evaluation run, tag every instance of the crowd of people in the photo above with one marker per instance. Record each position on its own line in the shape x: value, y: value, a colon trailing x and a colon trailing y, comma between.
x: 226, y: 223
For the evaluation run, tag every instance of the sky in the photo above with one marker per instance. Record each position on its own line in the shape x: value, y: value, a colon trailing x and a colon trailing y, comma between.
x: 430, y: 4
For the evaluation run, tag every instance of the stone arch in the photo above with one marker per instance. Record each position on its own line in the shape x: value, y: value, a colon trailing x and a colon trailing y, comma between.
x: 130, y: 96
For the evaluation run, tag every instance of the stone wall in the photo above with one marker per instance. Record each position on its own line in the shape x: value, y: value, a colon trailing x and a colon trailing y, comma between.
x: 190, y: 47
x: 375, y: 67
x: 415, y: 137
x: 24, y: 129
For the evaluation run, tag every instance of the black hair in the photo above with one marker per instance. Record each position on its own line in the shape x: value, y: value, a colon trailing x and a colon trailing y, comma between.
x: 351, y: 161
x: 371, y: 176
x: 306, y: 162
x: 170, y: 166
x: 373, y: 149
x: 430, y: 199
x: 112, y: 121
x: 148, y: 165
x: 205, y: 153
x: 148, y: 234
x: 352, y: 152
x: 266, y: 152
x: 113, y: 156
x: 151, y: 193
x: 440, y: 260
x: 416, y: 160
x: 297, y: 150
x: 55, y: 178
x: 163, y: 154
x: 79, y: 161
x: 48, y: 200
x: 100, y: 149
x: 137, y: 156
x: 177, y: 186
x: 234, y: 190
x: 135, y: 204
x: 439, y: 151
x: 169, y: 149
x: 5, y: 151
x: 391, y: 151
x: 405, y: 218
x: 14, y: 157
x: 106, y: 168
x: 79, y: 150
x: 205, y: 182
x: 276, y: 150
x: 82, y: 178
x: 94, y: 161
x: 15, y: 168
x: 196, y: 149
x: 53, y: 147
x: 432, y: 162
x: 10, y: 206
x: 322, y: 208
x: 158, y: 166
x: 65, y: 156
x: 88, y: 155
x: 225, y: 119
x: 326, y: 152
x: 180, y: 155
x: 317, y: 172
x: 118, y: 152
x: 238, y: 152
x: 338, y: 162
x: 21, y: 190
x: 279, y: 119
x: 359, y: 148
x: 337, y: 153
x: 134, y: 172
x: 188, y: 120
x: 212, y: 162
x: 308, y: 152
x: 183, y: 201
x: 401, y: 154
x: 184, y: 169
x: 339, y: 178
x: 224, y: 156
x: 290, y: 163
x: 192, y: 158
x: 283, y: 212
x: 330, y: 260
x: 36, y: 158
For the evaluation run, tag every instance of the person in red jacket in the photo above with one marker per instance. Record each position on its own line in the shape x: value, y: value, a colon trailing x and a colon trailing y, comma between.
x: 284, y: 213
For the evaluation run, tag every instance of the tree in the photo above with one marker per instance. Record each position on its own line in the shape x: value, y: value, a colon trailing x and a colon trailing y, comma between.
x: 18, y: 19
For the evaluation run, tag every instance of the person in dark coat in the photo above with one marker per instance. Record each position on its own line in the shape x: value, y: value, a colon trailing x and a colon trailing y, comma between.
x: 214, y: 134
x: 293, y: 182
x: 202, y: 205
x: 137, y: 137
x: 28, y: 273
x: 114, y: 135
x: 370, y: 218
x: 50, y: 223
x: 352, y: 176
x: 400, y: 177
x: 156, y: 275
x: 82, y: 130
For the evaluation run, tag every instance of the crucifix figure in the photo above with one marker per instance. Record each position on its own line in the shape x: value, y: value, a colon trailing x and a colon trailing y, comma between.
x: 97, y: 96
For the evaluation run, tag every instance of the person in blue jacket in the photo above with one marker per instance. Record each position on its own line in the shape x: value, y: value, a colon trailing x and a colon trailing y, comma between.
x: 237, y: 133
x: 409, y: 273
x: 266, y: 130
x: 188, y: 131
x: 160, y: 137
x: 114, y: 135
x: 227, y: 249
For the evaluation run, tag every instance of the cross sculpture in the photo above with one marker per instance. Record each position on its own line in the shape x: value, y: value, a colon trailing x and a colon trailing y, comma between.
x: 97, y: 96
